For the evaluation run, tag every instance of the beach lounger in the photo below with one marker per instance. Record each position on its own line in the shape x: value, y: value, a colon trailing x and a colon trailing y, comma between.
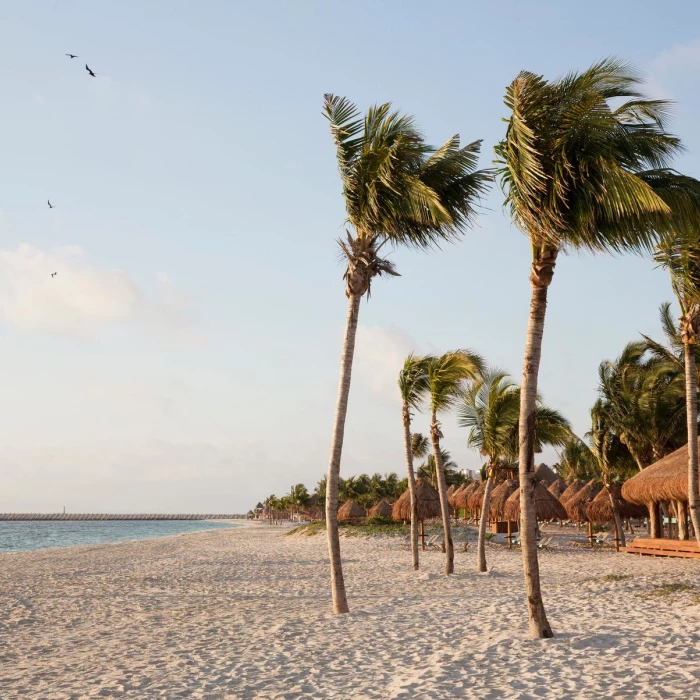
x: 436, y: 541
x: 602, y: 538
x: 544, y: 543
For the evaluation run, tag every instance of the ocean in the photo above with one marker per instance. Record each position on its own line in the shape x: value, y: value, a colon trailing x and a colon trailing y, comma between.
x: 26, y: 536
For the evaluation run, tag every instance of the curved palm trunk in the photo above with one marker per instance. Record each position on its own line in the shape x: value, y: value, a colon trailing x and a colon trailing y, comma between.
x: 340, y: 601
x: 540, y: 279
x: 691, y: 405
x: 411, y: 485
x: 618, y: 519
x: 481, y: 544
x: 435, y: 436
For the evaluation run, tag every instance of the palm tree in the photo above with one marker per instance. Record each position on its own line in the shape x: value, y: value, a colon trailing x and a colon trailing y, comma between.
x: 576, y: 460
x: 428, y: 470
x: 490, y: 408
x: 413, y: 385
x: 680, y: 255
x: 580, y: 174
x: 397, y: 190
x: 446, y: 376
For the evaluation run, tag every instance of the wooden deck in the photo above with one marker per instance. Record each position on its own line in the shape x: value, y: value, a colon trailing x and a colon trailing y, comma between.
x: 651, y: 547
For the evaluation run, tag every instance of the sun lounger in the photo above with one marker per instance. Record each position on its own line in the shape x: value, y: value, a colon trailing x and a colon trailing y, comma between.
x: 544, y: 543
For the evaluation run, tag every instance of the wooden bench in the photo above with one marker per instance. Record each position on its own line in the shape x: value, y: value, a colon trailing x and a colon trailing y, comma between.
x: 656, y: 547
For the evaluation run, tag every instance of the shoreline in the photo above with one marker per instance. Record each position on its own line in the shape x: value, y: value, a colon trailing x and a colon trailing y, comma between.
x: 245, y: 613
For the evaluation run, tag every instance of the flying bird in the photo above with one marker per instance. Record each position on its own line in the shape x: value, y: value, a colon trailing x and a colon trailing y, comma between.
x: 49, y: 203
x: 53, y: 274
x: 71, y: 55
x: 89, y: 71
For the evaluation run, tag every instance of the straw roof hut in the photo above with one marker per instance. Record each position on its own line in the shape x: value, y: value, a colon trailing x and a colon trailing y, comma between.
x: 600, y: 509
x: 547, y: 506
x: 382, y: 509
x: 544, y: 473
x: 557, y: 488
x: 576, y: 506
x: 571, y: 490
x: 665, y: 480
x: 428, y: 503
x: 451, y: 490
x: 476, y: 497
x: 452, y: 496
x: 350, y: 511
x: 461, y: 498
x: 499, y: 496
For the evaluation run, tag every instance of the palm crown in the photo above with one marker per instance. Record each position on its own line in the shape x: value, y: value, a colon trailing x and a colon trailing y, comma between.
x: 447, y: 374
x: 579, y: 172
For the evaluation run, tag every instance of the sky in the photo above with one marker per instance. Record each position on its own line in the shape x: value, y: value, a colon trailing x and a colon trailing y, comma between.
x: 185, y: 356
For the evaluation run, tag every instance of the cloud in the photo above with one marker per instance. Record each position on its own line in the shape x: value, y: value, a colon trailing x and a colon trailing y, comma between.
x: 680, y: 62
x: 80, y: 297
x: 380, y: 352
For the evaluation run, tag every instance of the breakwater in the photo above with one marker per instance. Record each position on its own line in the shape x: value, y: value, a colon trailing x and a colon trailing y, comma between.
x: 121, y: 516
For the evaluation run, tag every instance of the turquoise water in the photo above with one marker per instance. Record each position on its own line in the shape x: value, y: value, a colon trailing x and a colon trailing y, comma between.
x: 27, y: 536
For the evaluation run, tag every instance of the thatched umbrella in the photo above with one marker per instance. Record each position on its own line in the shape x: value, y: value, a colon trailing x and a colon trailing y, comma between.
x: 461, y: 498
x: 665, y: 480
x: 499, y: 496
x: 451, y: 498
x: 557, y: 488
x: 382, y: 509
x: 350, y: 511
x: 544, y: 473
x: 476, y: 497
x: 600, y: 509
x: 571, y: 490
x: 577, y: 504
x: 428, y: 505
x: 547, y: 506
x: 451, y: 490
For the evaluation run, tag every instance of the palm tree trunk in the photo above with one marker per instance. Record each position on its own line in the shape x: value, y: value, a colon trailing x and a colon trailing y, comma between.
x: 540, y: 278
x: 481, y: 544
x: 411, y: 485
x: 691, y: 405
x: 340, y: 601
x: 618, y: 519
x: 442, y: 490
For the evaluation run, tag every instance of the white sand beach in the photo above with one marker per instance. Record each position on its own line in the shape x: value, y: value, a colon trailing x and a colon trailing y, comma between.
x: 244, y: 613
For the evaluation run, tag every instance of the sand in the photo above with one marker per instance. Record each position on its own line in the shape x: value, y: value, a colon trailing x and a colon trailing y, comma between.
x: 244, y: 613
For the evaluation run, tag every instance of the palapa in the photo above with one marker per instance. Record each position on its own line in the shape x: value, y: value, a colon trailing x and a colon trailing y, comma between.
x: 350, y: 511
x: 557, y: 488
x: 544, y: 473
x: 571, y: 490
x: 547, y: 506
x: 476, y: 497
x: 451, y: 490
x: 665, y: 480
x: 576, y: 506
x: 600, y: 510
x: 382, y: 509
x: 461, y: 498
x: 428, y: 503
x: 499, y: 496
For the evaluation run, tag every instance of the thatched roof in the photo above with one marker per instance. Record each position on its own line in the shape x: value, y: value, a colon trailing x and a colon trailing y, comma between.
x: 428, y: 503
x: 600, y: 510
x: 665, y: 480
x: 557, y: 488
x: 476, y: 497
x: 451, y: 496
x: 577, y: 504
x: 350, y: 511
x: 544, y: 473
x: 547, y: 507
x: 571, y: 490
x: 461, y: 498
x: 382, y: 508
x: 499, y: 496
x: 451, y: 490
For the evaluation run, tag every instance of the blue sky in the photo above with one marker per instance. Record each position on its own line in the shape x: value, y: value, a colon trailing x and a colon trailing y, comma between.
x: 186, y: 355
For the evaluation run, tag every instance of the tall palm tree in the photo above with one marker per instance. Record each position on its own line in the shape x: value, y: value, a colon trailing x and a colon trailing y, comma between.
x: 576, y: 461
x: 413, y: 385
x: 428, y: 470
x: 490, y: 408
x: 679, y: 253
x: 447, y: 375
x: 580, y: 173
x: 397, y: 190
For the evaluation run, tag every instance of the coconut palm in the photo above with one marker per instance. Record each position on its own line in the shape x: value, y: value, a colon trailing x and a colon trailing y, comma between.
x: 580, y: 173
x: 679, y: 253
x: 420, y: 445
x: 397, y: 190
x: 576, y: 462
x: 490, y: 408
x: 413, y: 385
x: 428, y: 470
x: 447, y: 375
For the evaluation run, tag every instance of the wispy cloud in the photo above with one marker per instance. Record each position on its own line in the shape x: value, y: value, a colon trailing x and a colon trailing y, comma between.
x: 81, y: 297
x: 680, y: 62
